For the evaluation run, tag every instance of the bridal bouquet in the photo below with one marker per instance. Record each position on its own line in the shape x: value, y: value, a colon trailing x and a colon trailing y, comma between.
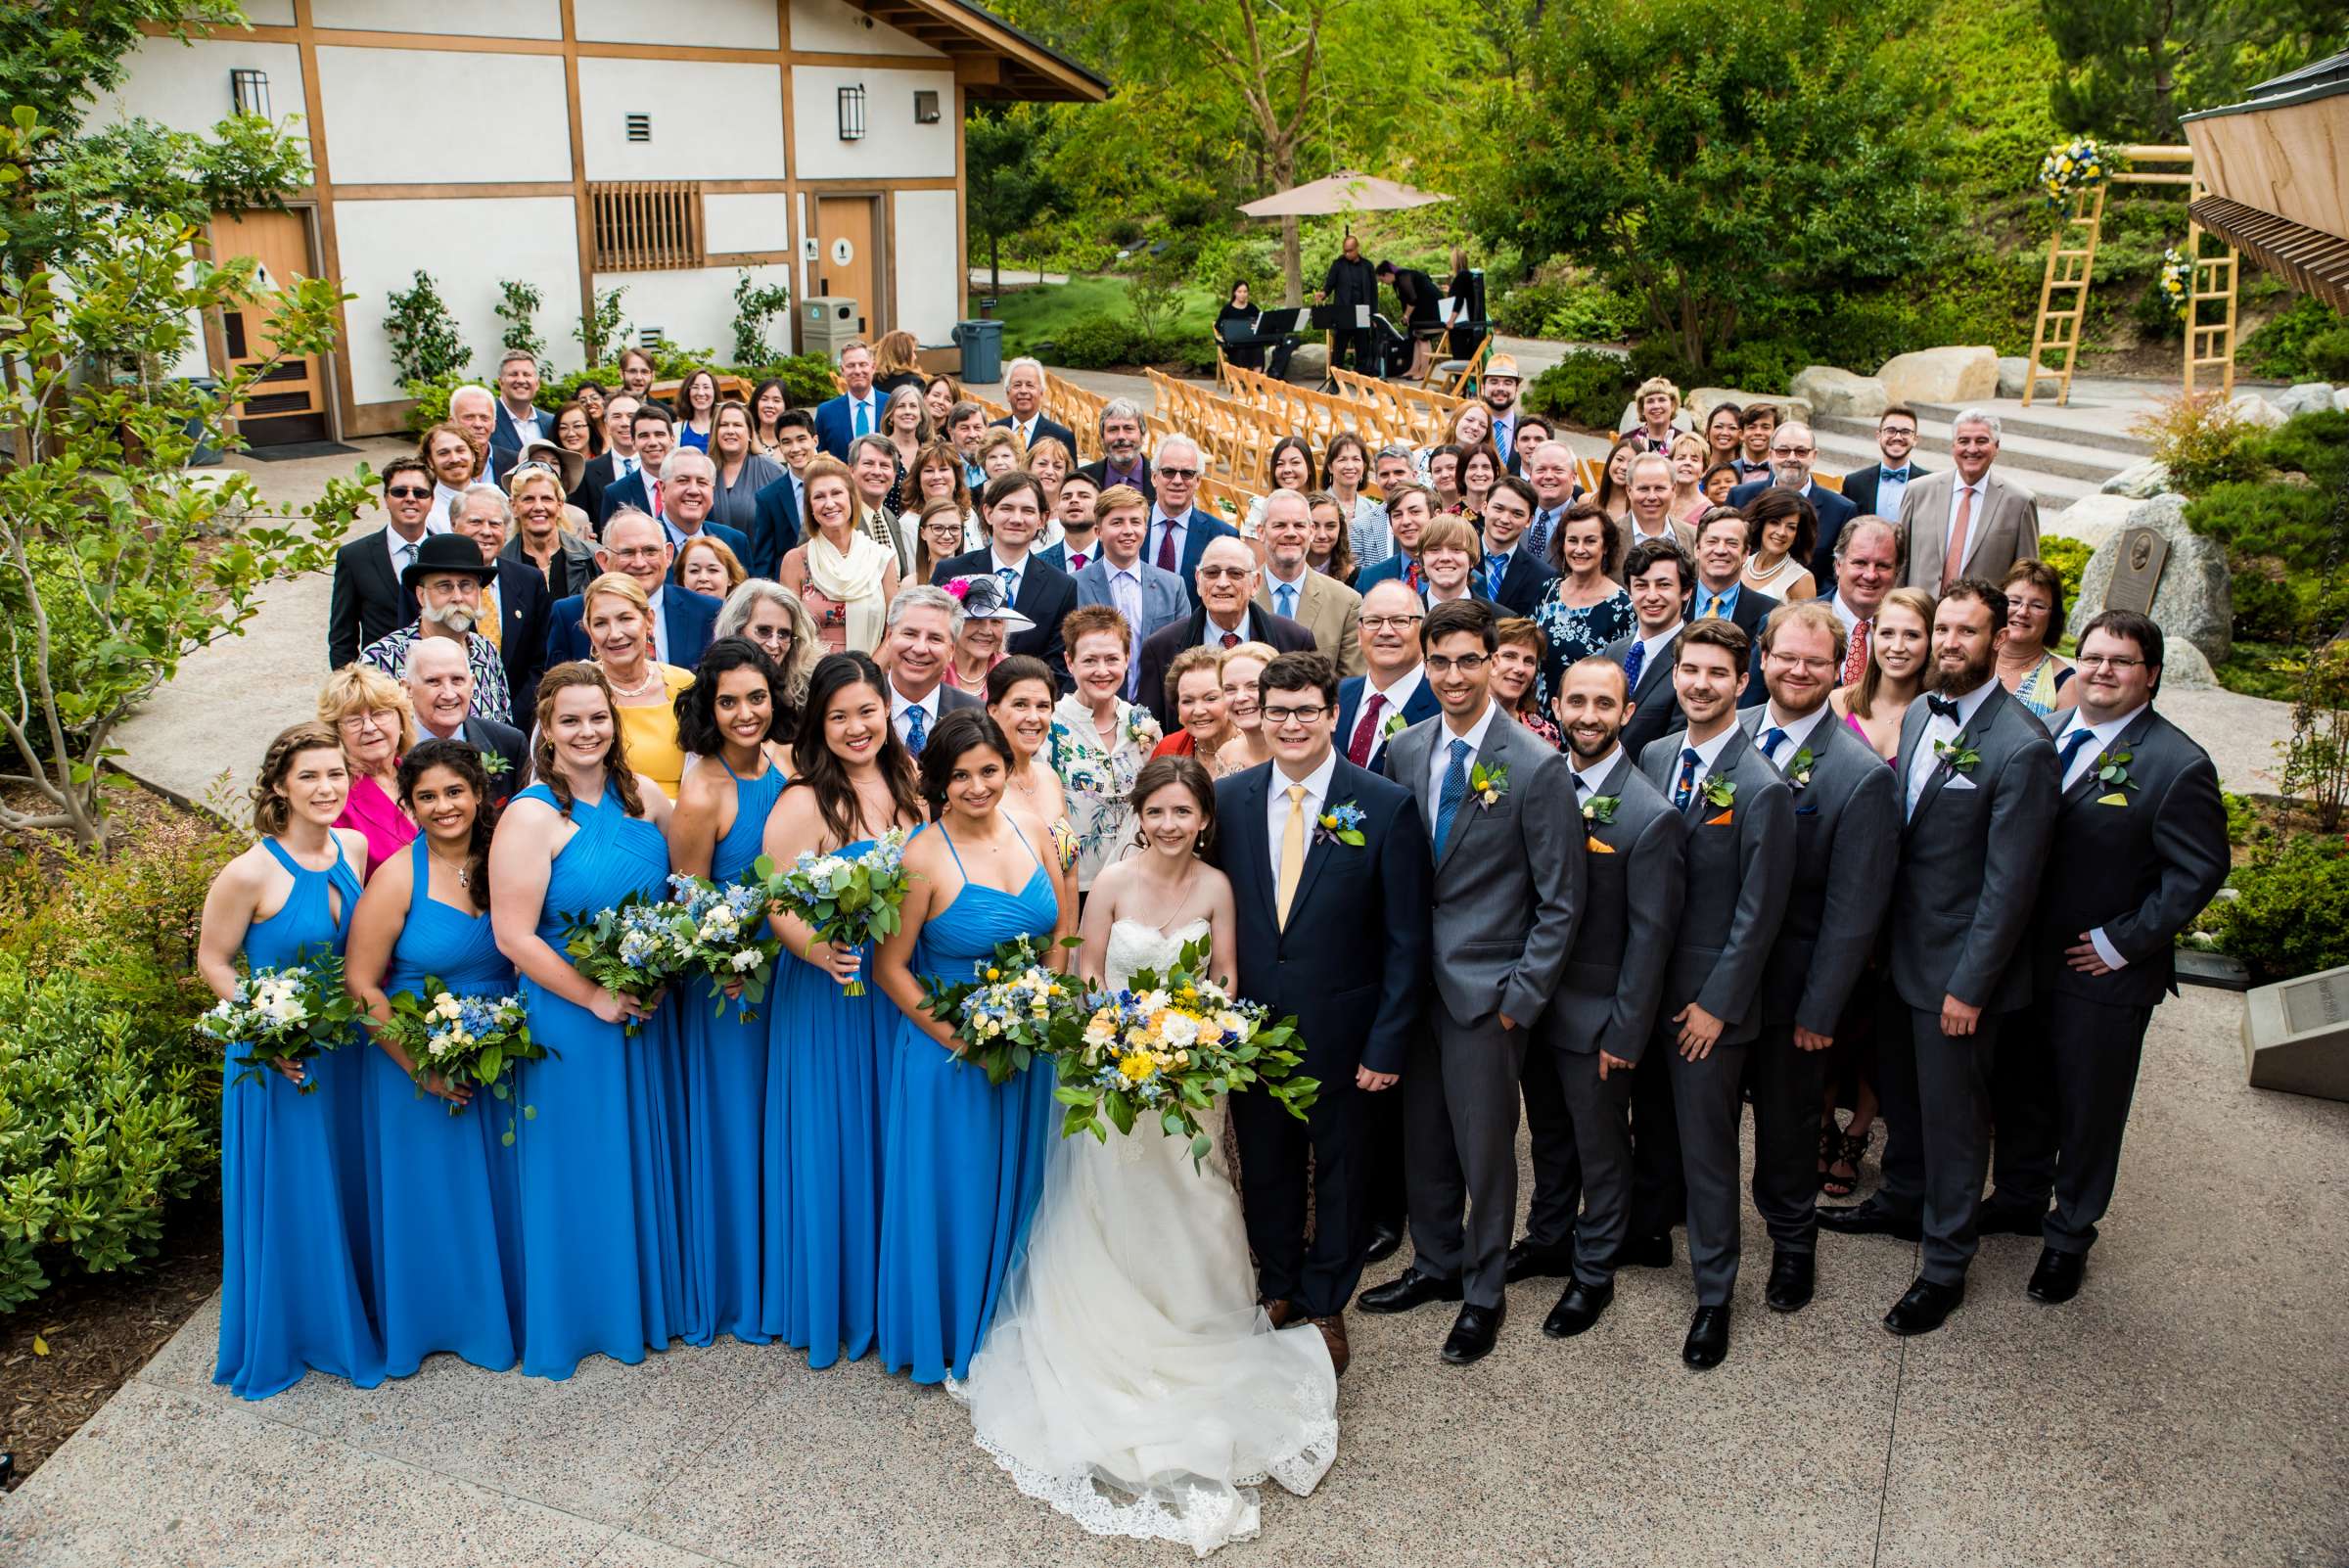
x: 634, y: 949
x: 724, y: 936
x: 1167, y: 1045
x: 284, y: 1016
x: 1007, y: 1013
x: 849, y: 900
x: 465, y: 1041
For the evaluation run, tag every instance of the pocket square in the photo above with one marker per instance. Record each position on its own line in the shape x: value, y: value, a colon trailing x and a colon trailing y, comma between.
x: 2116, y: 797
x: 1958, y: 781
x: 1806, y: 811
x: 1721, y: 820
x: 1591, y: 843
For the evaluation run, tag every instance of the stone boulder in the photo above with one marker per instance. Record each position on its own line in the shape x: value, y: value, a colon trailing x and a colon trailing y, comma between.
x: 2140, y: 481
x: 2308, y: 397
x: 2195, y: 602
x: 1705, y: 400
x: 1830, y: 390
x: 2091, y: 519
x: 1956, y: 374
x: 2183, y: 668
x: 2013, y: 368
x: 1308, y: 363
x: 2256, y: 411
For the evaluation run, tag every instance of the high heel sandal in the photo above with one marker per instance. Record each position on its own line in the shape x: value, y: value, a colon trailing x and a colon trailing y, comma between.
x: 1849, y: 1148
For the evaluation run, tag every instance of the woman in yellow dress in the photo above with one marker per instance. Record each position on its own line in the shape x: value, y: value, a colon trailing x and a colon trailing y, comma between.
x: 619, y: 618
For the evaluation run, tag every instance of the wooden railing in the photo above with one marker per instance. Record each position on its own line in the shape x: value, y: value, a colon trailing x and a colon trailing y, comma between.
x: 647, y: 225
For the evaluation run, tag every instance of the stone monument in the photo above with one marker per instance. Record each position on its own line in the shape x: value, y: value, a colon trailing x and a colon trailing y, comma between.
x: 2296, y: 1036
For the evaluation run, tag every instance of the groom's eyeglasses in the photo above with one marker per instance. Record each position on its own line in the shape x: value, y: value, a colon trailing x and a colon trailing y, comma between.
x: 1295, y: 715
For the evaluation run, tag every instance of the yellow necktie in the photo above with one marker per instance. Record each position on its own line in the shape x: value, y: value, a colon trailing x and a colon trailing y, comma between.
x: 1292, y: 854
x: 490, y: 618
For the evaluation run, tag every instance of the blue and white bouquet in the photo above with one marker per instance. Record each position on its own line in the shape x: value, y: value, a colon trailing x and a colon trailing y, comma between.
x: 849, y: 900
x: 284, y: 1017
x: 465, y: 1041
x: 1005, y: 1014
x: 726, y: 937
x: 634, y: 949
x: 2177, y: 280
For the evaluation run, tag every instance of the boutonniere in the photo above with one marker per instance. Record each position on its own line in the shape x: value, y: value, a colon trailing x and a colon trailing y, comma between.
x: 1798, y: 768
x: 1955, y: 756
x: 1721, y: 790
x: 1396, y: 724
x: 1601, y: 807
x: 1489, y: 784
x: 1141, y: 728
x: 1341, y: 824
x: 495, y: 765
x: 2112, y: 768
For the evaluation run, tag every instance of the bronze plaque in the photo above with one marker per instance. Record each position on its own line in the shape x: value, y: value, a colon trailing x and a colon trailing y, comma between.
x: 2137, y: 571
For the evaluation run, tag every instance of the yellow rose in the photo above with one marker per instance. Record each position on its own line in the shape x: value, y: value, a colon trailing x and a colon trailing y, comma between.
x: 1137, y: 1068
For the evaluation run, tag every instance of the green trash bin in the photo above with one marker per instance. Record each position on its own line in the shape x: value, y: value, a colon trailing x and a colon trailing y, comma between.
x: 981, y: 346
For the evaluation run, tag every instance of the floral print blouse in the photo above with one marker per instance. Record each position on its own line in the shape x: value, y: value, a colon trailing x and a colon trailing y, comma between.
x: 1096, y: 785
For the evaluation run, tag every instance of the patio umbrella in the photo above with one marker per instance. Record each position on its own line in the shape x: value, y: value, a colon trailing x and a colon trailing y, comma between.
x: 1347, y: 191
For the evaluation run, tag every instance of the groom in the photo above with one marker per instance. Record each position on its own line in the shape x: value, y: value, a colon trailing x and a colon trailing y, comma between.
x: 1329, y: 872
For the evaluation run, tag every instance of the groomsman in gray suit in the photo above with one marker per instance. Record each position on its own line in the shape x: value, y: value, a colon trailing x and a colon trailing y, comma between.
x: 1978, y: 780
x: 1740, y: 818
x: 1847, y: 827
x: 2139, y: 848
x: 1508, y: 891
x: 1577, y: 1080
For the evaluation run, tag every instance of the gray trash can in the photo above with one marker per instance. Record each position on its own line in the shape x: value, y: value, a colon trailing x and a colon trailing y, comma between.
x: 981, y: 346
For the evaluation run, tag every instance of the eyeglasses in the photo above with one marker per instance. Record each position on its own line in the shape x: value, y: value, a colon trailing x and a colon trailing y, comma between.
x: 1297, y: 715
x: 1176, y: 472
x: 1218, y: 573
x: 407, y: 492
x: 1398, y: 622
x: 531, y: 467
x: 372, y: 720
x: 1466, y: 663
x: 2112, y: 661
x: 1792, y: 451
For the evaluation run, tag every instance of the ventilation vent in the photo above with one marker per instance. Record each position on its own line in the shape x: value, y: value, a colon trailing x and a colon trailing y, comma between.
x: 640, y: 127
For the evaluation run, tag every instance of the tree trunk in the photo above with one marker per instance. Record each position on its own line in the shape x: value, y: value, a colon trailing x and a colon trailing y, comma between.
x: 1292, y: 264
x: 994, y: 265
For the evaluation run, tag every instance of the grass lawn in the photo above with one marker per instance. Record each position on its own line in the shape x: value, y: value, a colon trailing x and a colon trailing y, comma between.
x: 1033, y: 315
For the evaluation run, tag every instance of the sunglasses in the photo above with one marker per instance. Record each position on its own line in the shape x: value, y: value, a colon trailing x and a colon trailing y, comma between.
x: 407, y: 492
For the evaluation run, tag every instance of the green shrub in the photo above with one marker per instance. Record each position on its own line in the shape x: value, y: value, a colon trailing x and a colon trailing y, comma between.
x: 432, y: 394
x: 1761, y: 366
x: 95, y: 1141
x: 1525, y: 311
x: 2306, y: 341
x: 553, y: 394
x: 807, y: 379
x: 2198, y: 438
x: 425, y: 343
x: 1096, y: 342
x: 1584, y: 389
x: 2313, y: 445
x: 2069, y: 558
x: 2277, y: 532
x: 2291, y: 910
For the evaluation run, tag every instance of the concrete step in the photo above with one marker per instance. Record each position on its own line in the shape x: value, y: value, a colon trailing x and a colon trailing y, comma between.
x: 2055, y: 487
x: 2081, y: 423
x: 2017, y: 447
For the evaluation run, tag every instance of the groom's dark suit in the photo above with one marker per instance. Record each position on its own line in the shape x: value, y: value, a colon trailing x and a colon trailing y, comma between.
x: 1349, y: 964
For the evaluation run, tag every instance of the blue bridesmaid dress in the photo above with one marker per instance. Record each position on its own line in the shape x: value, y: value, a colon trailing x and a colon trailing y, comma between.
x: 965, y: 1162
x: 826, y: 1073
x: 725, y: 1094
x: 598, y: 1199
x: 448, y: 1244
x: 292, y: 1200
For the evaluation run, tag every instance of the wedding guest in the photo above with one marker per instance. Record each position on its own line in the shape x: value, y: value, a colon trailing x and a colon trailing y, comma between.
x: 1289, y: 587
x: 1078, y: 541
x: 1721, y: 590
x: 1240, y: 671
x: 636, y: 546
x: 770, y: 399
x: 1686, y: 1106
x: 1651, y: 515
x: 2121, y: 885
x: 1148, y: 598
x: 1657, y: 574
x: 1449, y: 554
x: 1980, y: 786
x: 600, y: 1260
x: 1722, y: 437
x: 1479, y: 467
x: 367, y: 599
x: 1392, y: 691
x: 766, y: 614
x: 905, y: 424
x: 916, y: 653
x: 447, y: 1235
x: 292, y: 1165
x: 697, y: 403
x: 1655, y: 403
x: 1898, y: 656
x: 1718, y: 481
x: 449, y: 453
x: 618, y: 421
x: 1689, y: 504
x: 642, y: 688
x: 828, y: 1054
x: 705, y: 566
x: 1102, y: 740
x: 636, y: 373
x: 999, y: 454
x: 1578, y: 1077
x: 1330, y: 552
x: 1444, y: 476
x: 1470, y: 424
x: 939, y: 534
x: 1014, y: 509
x: 1020, y: 698
x: 2029, y: 668
x: 1757, y: 424
x: 1518, y: 660
x: 1781, y: 536
x: 1585, y: 610
x: 439, y: 689
x: 1195, y: 697
x: 1550, y: 469
x: 842, y: 575
x: 896, y: 362
x: 1023, y: 392
x: 1867, y: 564
x: 370, y: 712
x: 1049, y: 463
x: 1373, y: 540
x: 1225, y: 588
x: 1508, y: 892
x: 742, y: 470
x: 1121, y: 461
x: 1876, y: 488
x: 1846, y: 832
x: 1614, y: 480
x: 514, y: 603
x: 1345, y: 469
x: 1968, y: 522
x: 655, y: 433
x: 940, y: 394
x: 447, y: 579
x: 565, y: 562
x: 689, y: 489
x: 779, y: 509
x: 979, y: 630
x: 1290, y: 468
x: 964, y: 1161
x: 873, y: 466
x: 1511, y: 577
x: 1411, y: 508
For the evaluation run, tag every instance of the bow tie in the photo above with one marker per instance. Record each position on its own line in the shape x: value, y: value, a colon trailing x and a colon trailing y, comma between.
x: 1946, y: 707
x: 1900, y: 473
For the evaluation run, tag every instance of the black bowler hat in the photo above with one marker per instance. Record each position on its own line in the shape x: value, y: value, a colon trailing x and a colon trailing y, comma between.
x: 447, y: 552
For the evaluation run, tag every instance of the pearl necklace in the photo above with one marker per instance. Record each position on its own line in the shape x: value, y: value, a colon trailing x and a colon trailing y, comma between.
x: 651, y: 680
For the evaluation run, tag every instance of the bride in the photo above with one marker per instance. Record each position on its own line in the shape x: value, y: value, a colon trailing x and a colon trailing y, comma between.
x: 1131, y: 1380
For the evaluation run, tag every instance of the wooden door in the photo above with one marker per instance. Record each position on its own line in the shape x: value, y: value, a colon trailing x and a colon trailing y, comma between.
x: 290, y: 405
x: 846, y: 260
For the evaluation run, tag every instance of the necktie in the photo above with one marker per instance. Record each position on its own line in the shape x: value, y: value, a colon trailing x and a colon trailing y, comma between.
x: 1284, y: 601
x: 1292, y: 854
x: 1953, y: 560
x: 1504, y: 435
x: 1583, y: 785
x: 1946, y: 707
x: 1166, y: 546
x: 1686, y: 787
x: 1632, y: 662
x: 864, y: 418
x: 1078, y: 561
x: 917, y: 729
x: 1711, y: 607
x: 402, y: 553
x: 2072, y: 744
x: 1855, y: 658
x: 488, y: 626
x: 1365, y: 730
x: 653, y: 487
x: 1411, y: 574
x: 1772, y: 739
x: 1495, y: 568
x: 1231, y: 639
x: 652, y: 637
x: 1455, y: 789
x: 1011, y: 584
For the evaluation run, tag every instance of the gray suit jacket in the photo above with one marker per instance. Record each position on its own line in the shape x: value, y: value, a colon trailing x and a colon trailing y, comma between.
x: 2004, y: 530
x: 1741, y: 866
x: 1971, y: 857
x: 949, y: 698
x: 1332, y: 612
x: 1509, y: 885
x: 1846, y: 831
x: 1634, y: 881
x: 1163, y: 598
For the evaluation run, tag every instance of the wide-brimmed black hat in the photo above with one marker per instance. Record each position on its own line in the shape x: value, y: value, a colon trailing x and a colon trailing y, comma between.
x: 447, y: 552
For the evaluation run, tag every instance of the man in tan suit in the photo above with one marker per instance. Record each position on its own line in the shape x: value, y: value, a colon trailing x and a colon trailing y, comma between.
x: 1969, y: 524
x: 1327, y: 608
x: 1650, y: 491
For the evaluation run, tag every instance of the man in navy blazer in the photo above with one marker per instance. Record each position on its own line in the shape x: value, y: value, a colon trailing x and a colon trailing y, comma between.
x: 689, y: 486
x: 1024, y: 391
x: 1393, y: 693
x: 1332, y: 928
x: 519, y: 420
x: 855, y: 412
x: 1179, y: 531
x: 1791, y: 449
x: 635, y: 544
x: 656, y: 435
x: 781, y: 508
x: 1014, y: 506
x: 1876, y: 489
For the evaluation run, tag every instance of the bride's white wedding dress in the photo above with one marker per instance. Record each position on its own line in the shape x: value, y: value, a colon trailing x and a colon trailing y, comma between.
x: 1131, y: 1380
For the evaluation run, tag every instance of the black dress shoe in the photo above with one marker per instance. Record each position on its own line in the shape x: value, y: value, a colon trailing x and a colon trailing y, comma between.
x: 1577, y: 1310
x: 1925, y: 1308
x: 1407, y: 1290
x: 2056, y: 1279
x: 1385, y: 1240
x: 1995, y: 1219
x: 1647, y: 1252
x: 1473, y: 1333
x: 1529, y: 1262
x: 1793, y: 1276
x: 1708, y: 1343
x: 1870, y: 1219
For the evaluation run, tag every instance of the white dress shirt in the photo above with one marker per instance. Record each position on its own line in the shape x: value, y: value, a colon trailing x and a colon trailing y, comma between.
x: 1442, y: 762
x: 1890, y: 490
x: 899, y: 705
x: 1587, y: 778
x: 1018, y: 569
x: 1797, y: 736
x: 1316, y: 797
x: 1274, y: 583
x: 402, y: 552
x: 1938, y: 728
x: 2081, y: 760
x: 1707, y: 753
x: 436, y: 520
x: 528, y: 426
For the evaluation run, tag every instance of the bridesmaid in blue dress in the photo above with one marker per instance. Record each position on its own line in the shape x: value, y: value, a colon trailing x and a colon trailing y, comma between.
x: 596, y: 1173
x: 447, y: 1250
x: 293, y: 1291
x: 735, y: 771
x: 826, y: 1050
x: 965, y: 1161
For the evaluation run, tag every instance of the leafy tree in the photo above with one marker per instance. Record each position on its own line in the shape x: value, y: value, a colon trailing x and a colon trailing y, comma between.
x: 755, y: 305
x: 2131, y: 68
x: 518, y: 306
x: 425, y: 343
x: 603, y: 335
x: 1707, y: 160
x: 1004, y: 178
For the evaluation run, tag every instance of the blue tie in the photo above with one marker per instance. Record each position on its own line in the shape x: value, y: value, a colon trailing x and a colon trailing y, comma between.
x: 1495, y: 568
x: 1285, y: 597
x: 1011, y: 582
x: 1687, y: 784
x: 1633, y: 662
x: 1772, y: 738
x: 1897, y: 475
x: 917, y: 729
x: 2072, y: 744
x: 1454, y: 789
x: 864, y: 417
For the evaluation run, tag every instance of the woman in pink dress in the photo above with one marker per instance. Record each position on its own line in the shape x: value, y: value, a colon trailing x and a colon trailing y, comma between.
x: 370, y: 712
